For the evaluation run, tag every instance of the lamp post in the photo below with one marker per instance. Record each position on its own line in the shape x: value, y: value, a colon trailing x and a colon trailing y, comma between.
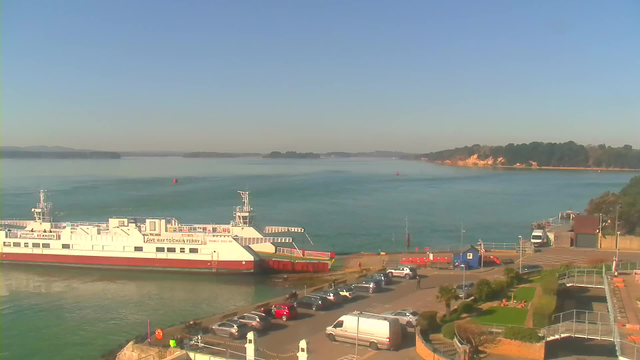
x: 357, y: 332
x: 520, y: 237
x: 461, y: 264
x: 464, y: 286
x: 617, y: 232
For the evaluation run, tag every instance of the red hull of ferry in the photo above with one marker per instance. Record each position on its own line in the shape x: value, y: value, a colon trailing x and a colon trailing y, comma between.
x: 110, y: 261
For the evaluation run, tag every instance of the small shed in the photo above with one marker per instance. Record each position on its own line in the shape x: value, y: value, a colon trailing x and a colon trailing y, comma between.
x: 470, y: 257
x: 586, y: 228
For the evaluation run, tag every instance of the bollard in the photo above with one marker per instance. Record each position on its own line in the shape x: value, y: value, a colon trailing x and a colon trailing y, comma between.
x: 303, y: 350
x: 251, y: 345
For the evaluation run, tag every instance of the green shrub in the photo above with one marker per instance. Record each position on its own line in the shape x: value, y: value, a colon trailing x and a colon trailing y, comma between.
x: 543, y: 309
x: 454, y: 316
x: 449, y: 330
x: 428, y: 321
x: 484, y: 290
x: 499, y: 288
x: 465, y: 307
x: 521, y: 334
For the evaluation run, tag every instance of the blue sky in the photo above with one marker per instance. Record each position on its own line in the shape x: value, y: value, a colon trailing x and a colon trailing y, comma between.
x: 318, y: 76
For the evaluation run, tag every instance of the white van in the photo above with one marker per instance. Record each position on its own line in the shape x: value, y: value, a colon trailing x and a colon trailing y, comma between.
x: 539, y: 237
x: 374, y: 330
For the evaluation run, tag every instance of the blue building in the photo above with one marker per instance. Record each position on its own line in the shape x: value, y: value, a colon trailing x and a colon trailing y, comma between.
x: 470, y: 258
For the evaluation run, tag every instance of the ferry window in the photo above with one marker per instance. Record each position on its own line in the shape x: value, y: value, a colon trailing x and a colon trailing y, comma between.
x: 137, y: 248
x: 46, y: 246
x: 182, y: 250
x: 120, y: 222
x: 193, y: 250
x: 160, y: 249
x: 16, y: 244
x: 7, y: 243
x: 26, y: 244
x: 35, y: 245
x: 152, y: 226
x: 171, y: 249
x: 66, y: 246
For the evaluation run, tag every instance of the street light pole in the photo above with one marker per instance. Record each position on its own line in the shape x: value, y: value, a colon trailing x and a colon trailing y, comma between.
x: 357, y: 332
x: 617, y: 233
x: 520, y: 237
x: 464, y: 287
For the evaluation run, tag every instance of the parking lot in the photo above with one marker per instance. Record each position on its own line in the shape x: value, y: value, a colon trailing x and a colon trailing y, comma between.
x: 281, y: 341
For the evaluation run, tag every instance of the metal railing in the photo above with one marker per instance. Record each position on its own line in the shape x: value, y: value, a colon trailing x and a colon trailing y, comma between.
x: 582, y: 316
x: 582, y: 277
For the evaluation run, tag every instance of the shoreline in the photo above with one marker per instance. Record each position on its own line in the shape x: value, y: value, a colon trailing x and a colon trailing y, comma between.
x: 513, y: 167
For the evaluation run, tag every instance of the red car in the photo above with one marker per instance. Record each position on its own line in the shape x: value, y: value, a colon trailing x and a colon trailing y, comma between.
x: 284, y: 311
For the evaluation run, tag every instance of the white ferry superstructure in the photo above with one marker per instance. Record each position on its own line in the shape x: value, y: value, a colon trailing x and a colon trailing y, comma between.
x: 139, y: 242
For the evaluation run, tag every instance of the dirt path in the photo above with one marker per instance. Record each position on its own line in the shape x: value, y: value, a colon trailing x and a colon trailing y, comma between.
x: 529, y: 321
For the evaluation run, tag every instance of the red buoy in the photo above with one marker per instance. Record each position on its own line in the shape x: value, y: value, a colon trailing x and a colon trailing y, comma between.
x: 175, y: 181
x: 397, y: 173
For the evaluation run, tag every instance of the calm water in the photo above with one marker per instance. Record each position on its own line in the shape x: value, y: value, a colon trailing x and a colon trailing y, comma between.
x: 345, y: 205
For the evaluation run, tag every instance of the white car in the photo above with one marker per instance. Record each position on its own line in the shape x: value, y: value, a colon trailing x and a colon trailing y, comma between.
x: 407, y: 317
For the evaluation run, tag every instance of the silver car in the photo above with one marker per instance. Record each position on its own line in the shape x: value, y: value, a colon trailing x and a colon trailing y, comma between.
x: 231, y: 328
x: 466, y: 289
x: 255, y: 321
x: 407, y: 317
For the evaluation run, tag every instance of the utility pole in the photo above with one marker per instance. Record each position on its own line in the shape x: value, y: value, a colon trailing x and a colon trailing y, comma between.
x: 617, y: 233
x: 520, y: 237
x: 357, y: 332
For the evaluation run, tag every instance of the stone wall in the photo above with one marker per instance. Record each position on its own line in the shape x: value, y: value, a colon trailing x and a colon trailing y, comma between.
x: 139, y: 351
x: 517, y: 349
x: 626, y: 242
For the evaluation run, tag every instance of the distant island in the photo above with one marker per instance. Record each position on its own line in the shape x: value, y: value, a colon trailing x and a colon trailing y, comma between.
x: 202, y: 154
x: 538, y: 155
x: 291, y: 155
x: 54, y: 152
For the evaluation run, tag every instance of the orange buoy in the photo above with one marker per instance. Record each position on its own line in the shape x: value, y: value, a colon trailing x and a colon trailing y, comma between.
x: 159, y: 334
x: 175, y: 181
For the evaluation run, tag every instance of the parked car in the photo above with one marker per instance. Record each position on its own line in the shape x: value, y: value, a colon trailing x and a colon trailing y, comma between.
x: 378, y: 281
x: 332, y: 294
x: 255, y: 321
x: 284, y: 311
x: 231, y: 328
x: 370, y: 286
x: 466, y: 289
x: 407, y: 272
x: 384, y: 276
x: 346, y: 291
x: 530, y: 269
x: 407, y: 317
x: 313, y: 302
x: 376, y: 331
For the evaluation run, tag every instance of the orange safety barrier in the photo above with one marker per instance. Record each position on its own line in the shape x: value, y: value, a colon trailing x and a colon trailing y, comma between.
x: 620, y: 285
x: 634, y: 337
x: 634, y: 327
x: 618, y: 280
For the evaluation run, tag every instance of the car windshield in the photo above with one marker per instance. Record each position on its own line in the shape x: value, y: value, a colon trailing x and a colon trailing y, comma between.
x: 536, y: 237
x: 241, y: 325
x: 413, y: 313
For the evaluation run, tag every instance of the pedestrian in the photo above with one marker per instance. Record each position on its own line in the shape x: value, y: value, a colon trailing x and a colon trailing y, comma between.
x: 418, y: 283
x: 359, y: 266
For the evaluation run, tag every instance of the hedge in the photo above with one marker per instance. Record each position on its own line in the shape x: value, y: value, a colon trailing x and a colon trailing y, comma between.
x: 449, y: 330
x: 465, y: 307
x: 549, y: 284
x: 521, y: 334
x: 428, y: 321
x: 543, y: 309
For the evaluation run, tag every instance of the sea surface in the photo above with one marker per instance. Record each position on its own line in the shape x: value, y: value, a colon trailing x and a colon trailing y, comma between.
x: 346, y: 205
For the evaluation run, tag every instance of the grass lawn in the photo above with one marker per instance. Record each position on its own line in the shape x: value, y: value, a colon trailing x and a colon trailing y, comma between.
x: 525, y: 293
x: 502, y: 316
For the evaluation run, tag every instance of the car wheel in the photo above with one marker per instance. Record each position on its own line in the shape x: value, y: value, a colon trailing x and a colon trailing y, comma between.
x: 373, y: 345
x: 390, y: 275
x: 408, y: 277
x: 331, y: 337
x: 284, y: 317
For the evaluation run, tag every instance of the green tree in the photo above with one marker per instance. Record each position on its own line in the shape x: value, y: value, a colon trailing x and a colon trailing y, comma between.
x: 484, y: 290
x: 446, y: 294
x: 511, y: 276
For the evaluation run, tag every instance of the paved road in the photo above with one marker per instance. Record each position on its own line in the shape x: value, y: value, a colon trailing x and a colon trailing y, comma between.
x: 281, y: 342
x: 284, y: 337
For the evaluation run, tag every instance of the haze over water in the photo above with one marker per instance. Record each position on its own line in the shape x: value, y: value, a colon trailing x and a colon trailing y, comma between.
x: 345, y: 205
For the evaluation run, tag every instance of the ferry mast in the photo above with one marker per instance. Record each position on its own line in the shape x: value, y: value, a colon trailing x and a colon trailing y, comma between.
x: 42, y: 211
x: 244, y: 214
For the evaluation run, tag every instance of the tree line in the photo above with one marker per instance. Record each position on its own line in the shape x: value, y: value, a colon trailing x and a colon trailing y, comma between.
x: 567, y: 154
x: 627, y: 202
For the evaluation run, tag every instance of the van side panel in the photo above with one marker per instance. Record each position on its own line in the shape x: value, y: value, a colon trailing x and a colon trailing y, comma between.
x: 369, y: 330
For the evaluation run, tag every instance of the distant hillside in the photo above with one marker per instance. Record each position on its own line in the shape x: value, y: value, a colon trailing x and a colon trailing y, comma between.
x: 31, y: 154
x: 219, y: 155
x: 373, y: 154
x: 538, y: 155
x: 291, y: 155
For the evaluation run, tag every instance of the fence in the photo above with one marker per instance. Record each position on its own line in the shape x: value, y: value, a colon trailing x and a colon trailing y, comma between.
x: 582, y: 277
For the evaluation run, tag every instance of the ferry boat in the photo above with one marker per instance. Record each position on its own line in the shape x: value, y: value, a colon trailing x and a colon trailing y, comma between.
x: 140, y: 242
